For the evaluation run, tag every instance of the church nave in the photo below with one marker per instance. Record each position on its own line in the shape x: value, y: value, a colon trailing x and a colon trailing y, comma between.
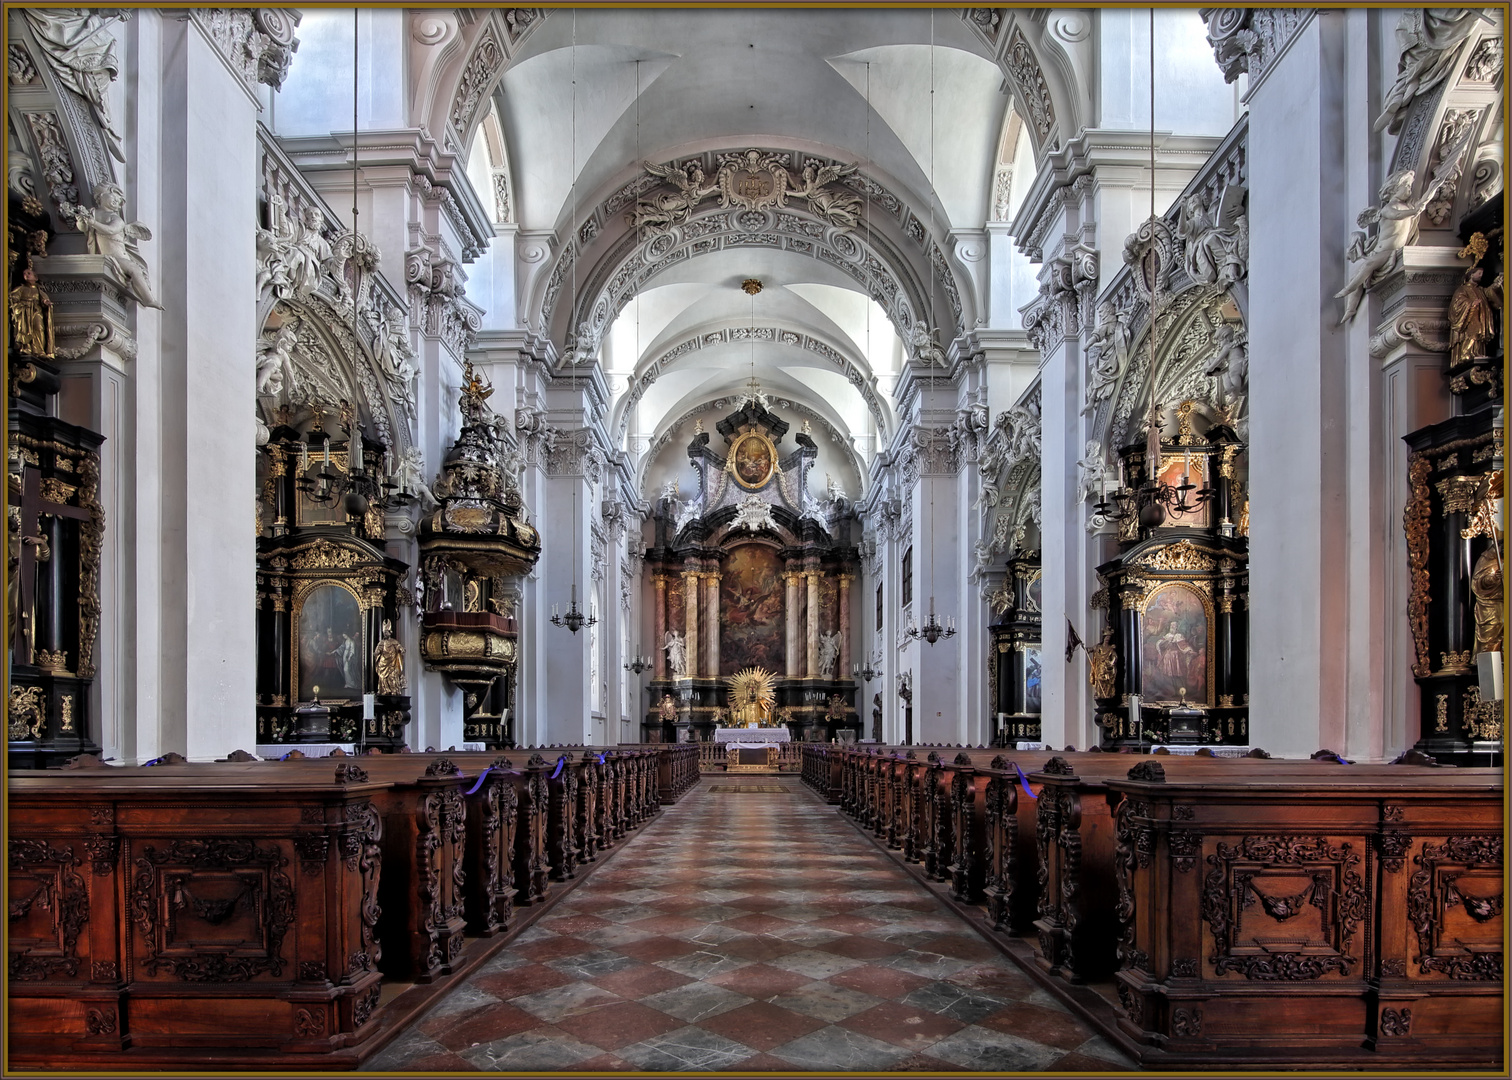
x: 749, y: 930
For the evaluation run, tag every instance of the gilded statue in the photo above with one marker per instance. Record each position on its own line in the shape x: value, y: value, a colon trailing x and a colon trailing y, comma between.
x: 1473, y: 309
x: 388, y: 661
x: 667, y: 710
x: 1486, y: 587
x: 1103, y: 664
x: 31, y: 317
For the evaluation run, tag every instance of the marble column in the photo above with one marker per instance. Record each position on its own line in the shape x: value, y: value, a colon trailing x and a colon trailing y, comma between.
x: 791, y: 608
x: 690, y: 619
x: 811, y: 664
x: 711, y: 625
x: 659, y: 634
x: 845, y: 626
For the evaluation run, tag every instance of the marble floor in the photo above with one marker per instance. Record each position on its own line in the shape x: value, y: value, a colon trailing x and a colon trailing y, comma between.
x: 749, y: 931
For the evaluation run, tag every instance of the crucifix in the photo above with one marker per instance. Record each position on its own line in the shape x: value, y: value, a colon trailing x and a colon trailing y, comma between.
x: 34, y: 546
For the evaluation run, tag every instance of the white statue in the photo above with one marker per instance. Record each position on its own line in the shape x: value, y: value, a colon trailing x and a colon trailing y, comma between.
x: 1107, y: 353
x: 80, y: 49
x: 677, y: 654
x: 410, y: 477
x: 1396, y: 225
x: 829, y: 652
x: 275, y: 363
x: 1092, y: 469
x: 108, y: 233
x: 1430, y: 39
x: 1212, y: 254
x: 1021, y: 426
x: 927, y: 351
x: 308, y: 254
x: 392, y: 351
x: 1230, y: 365
x: 273, y: 249
x: 511, y: 465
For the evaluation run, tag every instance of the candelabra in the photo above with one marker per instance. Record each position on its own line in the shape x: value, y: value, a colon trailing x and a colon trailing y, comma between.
x: 638, y: 664
x: 872, y: 669
x: 357, y: 487
x: 574, y: 620
x: 1153, y: 499
x: 933, y: 629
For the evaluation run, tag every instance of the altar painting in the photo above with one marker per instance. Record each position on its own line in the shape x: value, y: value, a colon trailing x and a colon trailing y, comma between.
x: 331, y: 647
x: 750, y: 616
x: 1032, y: 671
x: 1174, y: 655
x: 1033, y: 591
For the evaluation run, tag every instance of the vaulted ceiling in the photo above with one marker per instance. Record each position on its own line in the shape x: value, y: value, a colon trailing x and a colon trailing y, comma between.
x: 908, y: 96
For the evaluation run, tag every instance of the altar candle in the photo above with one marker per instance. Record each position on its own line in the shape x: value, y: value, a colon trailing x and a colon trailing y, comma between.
x: 327, y: 445
x: 1186, y: 469
x: 1121, y: 482
x: 304, y: 458
x: 387, y: 464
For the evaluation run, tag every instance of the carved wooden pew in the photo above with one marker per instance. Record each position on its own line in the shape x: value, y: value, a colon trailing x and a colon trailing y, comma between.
x: 155, y: 908
x: 1288, y: 917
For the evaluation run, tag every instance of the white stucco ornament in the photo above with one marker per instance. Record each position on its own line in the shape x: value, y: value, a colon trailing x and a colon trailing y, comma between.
x: 754, y: 513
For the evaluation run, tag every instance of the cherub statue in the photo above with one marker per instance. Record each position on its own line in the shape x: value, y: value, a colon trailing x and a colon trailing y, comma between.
x: 411, y: 476
x: 108, y: 233
x: 1396, y: 224
x: 926, y: 350
x: 1092, y: 469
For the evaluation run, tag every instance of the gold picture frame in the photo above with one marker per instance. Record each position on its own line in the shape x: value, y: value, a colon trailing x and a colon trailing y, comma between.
x: 753, y: 460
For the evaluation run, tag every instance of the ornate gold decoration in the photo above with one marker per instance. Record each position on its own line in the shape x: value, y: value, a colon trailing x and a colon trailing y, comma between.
x: 1226, y: 701
x: 752, y: 460
x: 65, y: 713
x: 1185, y: 435
x: 1482, y: 720
x: 1458, y: 493
x: 55, y: 490
x: 388, y: 661
x: 751, y: 286
x: 1102, y: 665
x: 1441, y: 710
x: 753, y: 693
x: 1226, y: 604
x: 1099, y: 601
x: 52, y: 662
x: 1455, y: 661
x: 27, y: 712
x: 1001, y: 599
x: 1178, y: 556
x: 1416, y: 518
x: 324, y: 555
x: 1226, y: 461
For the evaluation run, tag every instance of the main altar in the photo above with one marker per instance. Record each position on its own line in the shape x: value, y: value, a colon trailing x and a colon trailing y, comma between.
x: 750, y: 590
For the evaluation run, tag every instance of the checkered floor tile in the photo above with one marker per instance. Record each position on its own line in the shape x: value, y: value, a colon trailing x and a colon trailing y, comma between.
x: 749, y: 933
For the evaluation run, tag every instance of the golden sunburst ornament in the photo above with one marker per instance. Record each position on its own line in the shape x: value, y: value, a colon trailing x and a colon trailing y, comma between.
x: 752, y: 694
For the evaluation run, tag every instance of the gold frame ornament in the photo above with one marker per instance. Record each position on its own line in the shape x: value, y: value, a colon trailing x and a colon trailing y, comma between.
x: 771, y: 451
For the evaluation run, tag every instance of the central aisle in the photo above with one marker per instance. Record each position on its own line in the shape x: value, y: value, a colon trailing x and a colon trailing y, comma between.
x: 751, y: 929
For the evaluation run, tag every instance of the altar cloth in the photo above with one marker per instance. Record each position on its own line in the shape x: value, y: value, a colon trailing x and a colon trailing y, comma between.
x: 752, y: 736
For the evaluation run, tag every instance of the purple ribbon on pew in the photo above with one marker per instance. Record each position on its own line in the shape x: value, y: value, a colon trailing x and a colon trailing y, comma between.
x: 601, y: 759
x: 558, y: 770
x: 1024, y: 781
x: 481, y: 777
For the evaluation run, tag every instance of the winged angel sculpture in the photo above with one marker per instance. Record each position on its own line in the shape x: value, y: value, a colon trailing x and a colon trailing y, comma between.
x: 751, y: 180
